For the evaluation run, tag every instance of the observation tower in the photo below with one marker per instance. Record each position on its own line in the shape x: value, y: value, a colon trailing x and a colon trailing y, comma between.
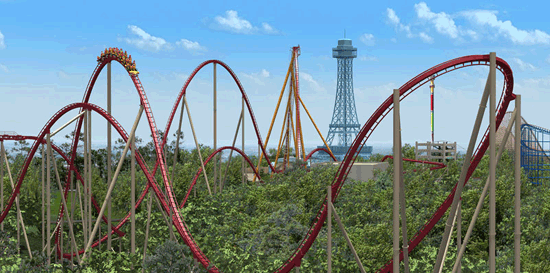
x: 344, y: 125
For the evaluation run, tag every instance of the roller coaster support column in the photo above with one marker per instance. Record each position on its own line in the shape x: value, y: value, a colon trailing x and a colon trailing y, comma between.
x: 403, y: 208
x: 443, y: 246
x: 89, y: 153
x: 178, y: 134
x: 85, y: 178
x: 2, y: 188
x: 242, y: 135
x: 517, y: 188
x: 329, y: 230
x: 483, y: 195
x: 331, y: 208
x: 43, y: 196
x: 149, y: 199
x: 66, y: 209
x: 231, y: 153
x: 112, y: 184
x: 432, y: 86
x: 459, y: 233
x: 492, y: 163
x: 197, y: 145
x: 19, y: 216
x: 73, y: 193
x: 109, y: 226
x: 133, y: 197
x: 215, y: 126
x: 396, y: 178
x: 48, y: 197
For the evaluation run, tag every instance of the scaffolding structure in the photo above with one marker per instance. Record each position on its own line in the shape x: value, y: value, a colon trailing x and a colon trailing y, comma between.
x: 535, y: 153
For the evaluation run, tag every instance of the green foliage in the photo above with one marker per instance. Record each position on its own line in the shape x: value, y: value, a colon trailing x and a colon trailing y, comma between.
x: 255, y: 227
x: 170, y: 257
x: 109, y: 261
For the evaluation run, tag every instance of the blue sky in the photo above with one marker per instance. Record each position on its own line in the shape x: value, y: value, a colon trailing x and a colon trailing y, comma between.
x: 48, y: 52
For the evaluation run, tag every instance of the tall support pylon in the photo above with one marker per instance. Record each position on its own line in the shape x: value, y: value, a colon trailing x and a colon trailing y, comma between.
x: 43, y: 196
x: 458, y: 192
x: 432, y: 87
x: 48, y: 197
x: 517, y: 187
x: 396, y: 179
x: 133, y: 196
x: 112, y: 184
x: 2, y: 189
x: 109, y: 226
x: 242, y: 138
x: 215, y: 113
x: 492, y: 164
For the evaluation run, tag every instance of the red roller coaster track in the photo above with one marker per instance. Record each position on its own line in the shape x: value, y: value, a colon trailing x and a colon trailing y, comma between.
x: 337, y: 183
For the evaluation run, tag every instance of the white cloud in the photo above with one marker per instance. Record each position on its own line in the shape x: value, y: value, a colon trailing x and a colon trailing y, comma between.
x: 367, y: 58
x: 524, y: 66
x: 426, y: 38
x: 312, y: 82
x: 233, y: 23
x: 146, y: 41
x: 442, y: 21
x: 367, y: 39
x: 268, y: 29
x: 257, y: 77
x: 265, y: 73
x: 2, y: 44
x: 4, y: 68
x: 149, y: 42
x: 392, y: 16
x: 394, y: 20
x: 193, y: 47
x: 506, y: 29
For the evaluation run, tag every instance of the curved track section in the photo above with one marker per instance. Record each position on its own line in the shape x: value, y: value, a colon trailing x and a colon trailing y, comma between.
x: 339, y: 178
x: 197, y: 253
x: 41, y: 139
x: 318, y: 150
x: 375, y: 120
x: 72, y: 168
x: 438, y: 165
x: 150, y: 120
x: 208, y: 160
x: 243, y: 94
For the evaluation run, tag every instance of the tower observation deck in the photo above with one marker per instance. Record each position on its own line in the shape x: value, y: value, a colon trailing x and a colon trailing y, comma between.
x: 344, y: 126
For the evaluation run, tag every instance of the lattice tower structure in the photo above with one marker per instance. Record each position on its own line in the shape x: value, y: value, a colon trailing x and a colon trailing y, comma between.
x: 344, y: 125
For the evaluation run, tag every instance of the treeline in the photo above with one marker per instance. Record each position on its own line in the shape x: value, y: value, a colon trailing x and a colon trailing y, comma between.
x: 255, y: 227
